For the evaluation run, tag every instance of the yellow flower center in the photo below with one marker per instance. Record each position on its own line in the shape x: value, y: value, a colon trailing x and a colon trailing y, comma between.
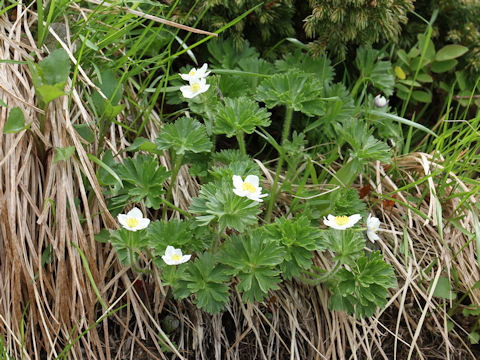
x: 132, y: 222
x: 192, y: 72
x: 341, y: 220
x: 195, y: 87
x: 248, y: 187
x: 176, y: 257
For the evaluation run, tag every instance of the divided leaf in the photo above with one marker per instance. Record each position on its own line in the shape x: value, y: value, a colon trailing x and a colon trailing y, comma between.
x: 240, y: 115
x: 364, y: 287
x: 207, y: 280
x: 298, y: 239
x: 253, y: 257
x: 184, y: 135
x: 217, y: 202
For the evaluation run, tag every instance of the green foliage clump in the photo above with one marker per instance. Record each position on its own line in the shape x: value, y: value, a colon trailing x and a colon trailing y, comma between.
x: 362, y: 287
x: 458, y: 22
x: 337, y: 23
x: 266, y: 24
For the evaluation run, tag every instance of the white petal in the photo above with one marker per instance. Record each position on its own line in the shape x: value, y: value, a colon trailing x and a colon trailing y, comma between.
x: 372, y: 236
x: 254, y: 197
x: 353, y: 219
x: 186, y: 92
x: 167, y: 260
x: 135, y: 213
x: 253, y: 179
x: 237, y: 181
x: 185, y: 258
x: 169, y: 251
x: 203, y: 68
x: 241, y: 192
x: 122, y: 219
x: 143, y: 223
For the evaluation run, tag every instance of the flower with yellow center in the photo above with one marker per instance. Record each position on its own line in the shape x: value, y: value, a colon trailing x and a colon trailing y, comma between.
x: 249, y: 188
x: 197, y: 86
x: 341, y: 222
x: 196, y: 74
x: 133, y: 220
x: 174, y: 256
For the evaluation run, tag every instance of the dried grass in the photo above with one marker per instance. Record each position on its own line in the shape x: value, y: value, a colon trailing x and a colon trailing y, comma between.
x: 57, y: 303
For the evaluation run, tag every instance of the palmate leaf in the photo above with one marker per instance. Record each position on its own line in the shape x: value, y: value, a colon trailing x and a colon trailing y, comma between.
x: 379, y: 73
x: 184, y: 135
x: 50, y: 75
x: 240, y: 115
x: 217, y: 202
x: 293, y: 89
x: 320, y: 66
x: 143, y: 178
x: 207, y: 281
x: 127, y: 244
x: 364, y: 288
x: 181, y: 234
x: 253, y: 257
x: 347, y: 244
x: 299, y: 239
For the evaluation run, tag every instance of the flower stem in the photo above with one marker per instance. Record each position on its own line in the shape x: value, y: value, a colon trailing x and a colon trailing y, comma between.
x: 176, y: 168
x: 130, y: 252
x: 241, y: 143
x: 273, y: 193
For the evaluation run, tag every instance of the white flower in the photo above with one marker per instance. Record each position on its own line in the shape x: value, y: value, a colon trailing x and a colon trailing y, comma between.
x: 133, y: 220
x: 380, y: 101
x: 197, y: 86
x: 373, y: 224
x: 174, y: 256
x: 248, y: 188
x: 341, y: 222
x: 196, y: 74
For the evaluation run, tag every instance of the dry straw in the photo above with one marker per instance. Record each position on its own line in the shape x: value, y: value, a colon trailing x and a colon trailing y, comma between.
x: 56, y: 302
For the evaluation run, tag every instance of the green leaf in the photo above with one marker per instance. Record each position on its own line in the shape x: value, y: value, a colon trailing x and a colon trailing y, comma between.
x: 449, y: 52
x: 444, y: 289
x: 253, y: 258
x: 63, y: 153
x: 299, y: 239
x: 240, y: 115
x: 400, y: 120
x: 112, y: 88
x: 142, y: 144
x: 363, y: 287
x: 184, y: 135
x: 379, y: 73
x: 430, y: 51
x: 50, y: 75
x: 294, y: 90
x: 422, y: 96
x: 180, y: 234
x: 3, y: 103
x: 143, y: 178
x: 443, y: 66
x: 128, y: 243
x: 474, y: 337
x: 346, y: 244
x: 15, y: 122
x: 217, y: 202
x: 207, y: 281
x: 85, y: 132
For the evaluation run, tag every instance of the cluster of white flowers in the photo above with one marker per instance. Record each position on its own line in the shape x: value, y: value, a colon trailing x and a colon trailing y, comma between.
x: 197, y: 82
x: 345, y: 222
x: 134, y: 220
